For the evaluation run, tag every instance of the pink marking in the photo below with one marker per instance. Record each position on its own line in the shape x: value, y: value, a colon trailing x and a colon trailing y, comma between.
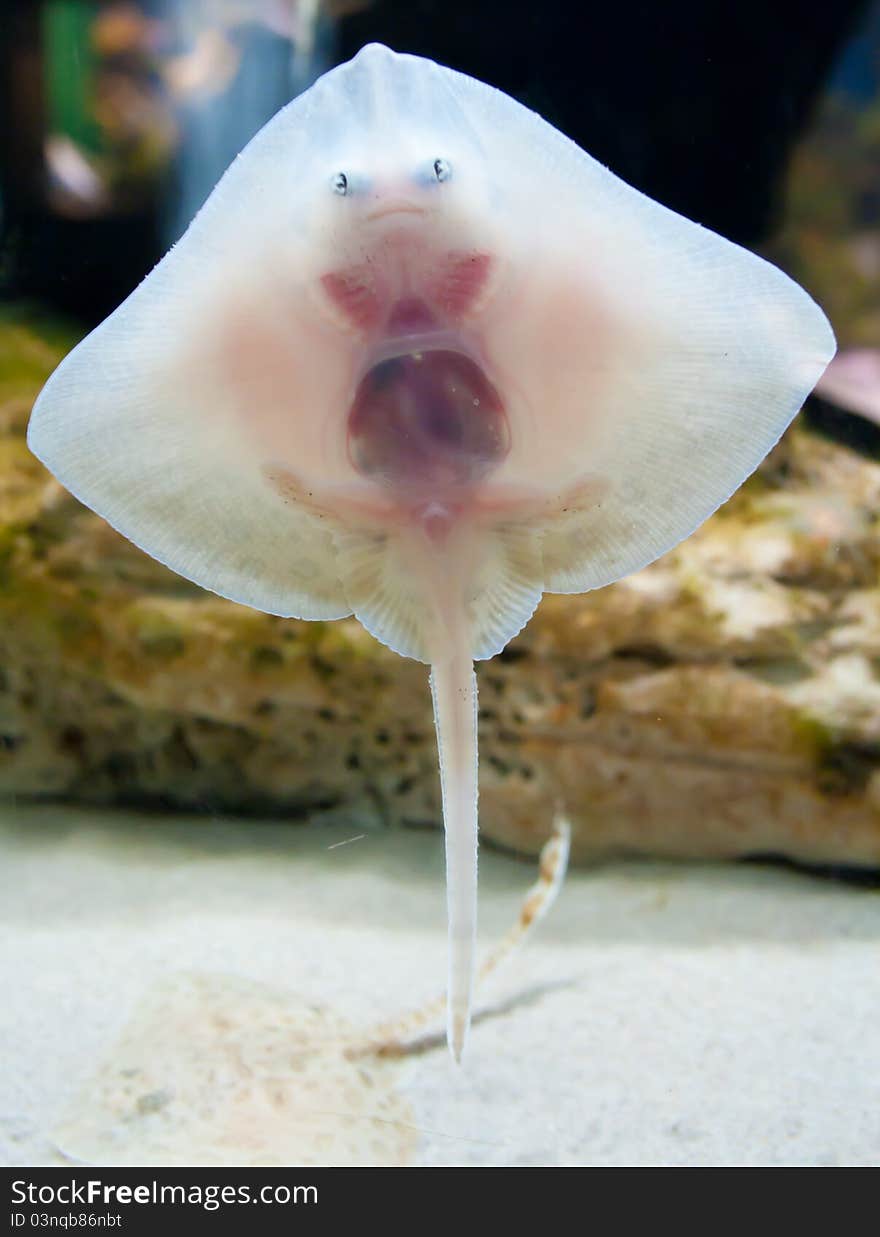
x: 462, y: 281
x: 354, y: 293
x: 852, y: 381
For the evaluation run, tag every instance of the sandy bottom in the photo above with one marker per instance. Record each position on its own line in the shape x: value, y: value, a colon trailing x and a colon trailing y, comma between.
x: 204, y: 992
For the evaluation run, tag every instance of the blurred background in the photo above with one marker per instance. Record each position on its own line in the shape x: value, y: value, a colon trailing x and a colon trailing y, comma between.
x: 121, y: 115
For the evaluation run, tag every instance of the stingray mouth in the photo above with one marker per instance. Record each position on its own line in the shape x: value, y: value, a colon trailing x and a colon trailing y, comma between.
x: 395, y: 208
x: 427, y: 418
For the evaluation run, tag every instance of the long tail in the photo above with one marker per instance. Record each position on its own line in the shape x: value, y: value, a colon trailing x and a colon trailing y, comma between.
x: 454, y: 691
x: 394, y: 1038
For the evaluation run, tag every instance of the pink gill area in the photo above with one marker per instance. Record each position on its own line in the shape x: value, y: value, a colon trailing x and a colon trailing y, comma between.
x: 462, y: 281
x: 354, y: 292
x: 446, y: 298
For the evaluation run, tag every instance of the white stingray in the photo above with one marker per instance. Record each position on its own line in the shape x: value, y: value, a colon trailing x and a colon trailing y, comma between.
x: 421, y: 359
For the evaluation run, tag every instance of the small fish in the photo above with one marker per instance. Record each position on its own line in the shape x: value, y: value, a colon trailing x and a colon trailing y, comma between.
x: 420, y: 358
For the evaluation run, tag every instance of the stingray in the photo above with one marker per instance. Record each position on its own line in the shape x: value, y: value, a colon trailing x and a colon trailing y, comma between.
x: 420, y: 359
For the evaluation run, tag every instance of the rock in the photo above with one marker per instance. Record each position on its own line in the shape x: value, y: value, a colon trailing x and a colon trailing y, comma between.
x: 723, y: 702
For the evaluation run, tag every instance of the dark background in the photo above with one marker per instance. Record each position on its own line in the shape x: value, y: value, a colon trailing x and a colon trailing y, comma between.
x: 698, y: 105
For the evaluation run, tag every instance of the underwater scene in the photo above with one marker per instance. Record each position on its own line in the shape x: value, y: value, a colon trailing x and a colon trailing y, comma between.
x: 439, y: 583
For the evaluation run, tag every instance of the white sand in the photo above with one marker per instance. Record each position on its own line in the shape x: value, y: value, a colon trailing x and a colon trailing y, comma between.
x: 677, y: 1014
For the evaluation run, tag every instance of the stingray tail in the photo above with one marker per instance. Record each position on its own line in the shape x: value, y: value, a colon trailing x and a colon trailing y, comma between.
x: 454, y: 691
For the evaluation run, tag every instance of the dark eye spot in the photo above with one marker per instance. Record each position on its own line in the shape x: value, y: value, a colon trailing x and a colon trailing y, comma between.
x: 442, y: 170
x: 340, y: 184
